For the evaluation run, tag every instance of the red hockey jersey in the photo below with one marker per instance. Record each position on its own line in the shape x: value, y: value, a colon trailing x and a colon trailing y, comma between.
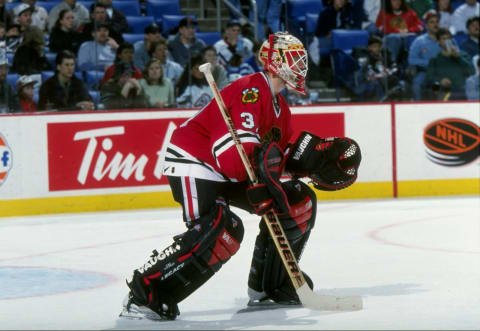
x: 202, y: 146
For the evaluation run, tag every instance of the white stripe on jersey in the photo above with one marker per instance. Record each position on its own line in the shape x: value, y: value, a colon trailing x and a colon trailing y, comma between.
x: 182, y: 163
x: 226, y: 142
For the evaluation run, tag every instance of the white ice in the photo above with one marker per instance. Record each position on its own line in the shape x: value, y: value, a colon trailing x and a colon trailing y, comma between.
x: 415, y: 262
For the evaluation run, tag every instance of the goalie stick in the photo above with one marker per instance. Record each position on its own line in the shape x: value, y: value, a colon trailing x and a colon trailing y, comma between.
x: 307, y: 297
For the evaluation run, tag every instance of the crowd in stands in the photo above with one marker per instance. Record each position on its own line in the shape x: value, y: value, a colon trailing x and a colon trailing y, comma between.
x: 76, y: 57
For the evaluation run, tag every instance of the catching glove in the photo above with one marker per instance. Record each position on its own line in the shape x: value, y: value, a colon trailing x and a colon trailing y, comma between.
x: 331, y: 163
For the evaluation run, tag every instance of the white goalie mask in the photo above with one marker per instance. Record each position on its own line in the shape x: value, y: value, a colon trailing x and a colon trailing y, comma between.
x: 284, y: 55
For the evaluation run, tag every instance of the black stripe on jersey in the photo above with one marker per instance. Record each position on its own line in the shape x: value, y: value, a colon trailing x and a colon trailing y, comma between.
x: 229, y: 139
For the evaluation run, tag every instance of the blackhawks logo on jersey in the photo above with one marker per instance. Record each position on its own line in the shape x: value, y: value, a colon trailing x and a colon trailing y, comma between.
x: 250, y: 95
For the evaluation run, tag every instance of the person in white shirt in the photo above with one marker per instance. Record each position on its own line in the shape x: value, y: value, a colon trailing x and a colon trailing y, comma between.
x: 233, y: 43
x: 39, y: 14
x: 460, y: 16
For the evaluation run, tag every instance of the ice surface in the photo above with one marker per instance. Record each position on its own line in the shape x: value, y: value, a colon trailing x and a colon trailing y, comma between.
x: 415, y: 262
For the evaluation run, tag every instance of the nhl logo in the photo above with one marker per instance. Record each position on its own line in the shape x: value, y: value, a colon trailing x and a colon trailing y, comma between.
x: 5, y: 159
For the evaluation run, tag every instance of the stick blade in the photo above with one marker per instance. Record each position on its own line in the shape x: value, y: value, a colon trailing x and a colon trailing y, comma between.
x: 328, y: 302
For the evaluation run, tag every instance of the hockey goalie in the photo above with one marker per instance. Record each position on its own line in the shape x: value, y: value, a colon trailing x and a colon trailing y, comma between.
x: 207, y: 178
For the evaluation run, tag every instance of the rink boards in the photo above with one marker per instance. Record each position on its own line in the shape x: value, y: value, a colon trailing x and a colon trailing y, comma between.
x: 77, y: 162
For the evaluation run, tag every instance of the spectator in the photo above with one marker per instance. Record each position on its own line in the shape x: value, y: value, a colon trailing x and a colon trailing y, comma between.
x: 470, y: 45
x: 268, y: 12
x: 193, y: 89
x: 450, y: 68
x: 98, y: 15
x: 377, y: 76
x: 115, y: 18
x: 335, y: 15
x: 171, y: 69
x: 39, y: 15
x: 157, y: 89
x: 22, y: 22
x: 2, y: 32
x: 233, y: 43
x: 396, y: 21
x: 8, y: 100
x: 142, y: 55
x: 423, y: 48
x: 185, y: 45
x: 125, y: 55
x: 233, y: 68
x: 218, y: 71
x: 445, y: 10
x: 371, y: 9
x: 461, y: 15
x: 472, y: 85
x: 63, y: 91
x: 5, y: 16
x: 80, y: 13
x: 98, y: 54
x: 30, y: 57
x: 25, y: 94
x: 63, y: 35
x: 420, y: 7
x: 122, y: 91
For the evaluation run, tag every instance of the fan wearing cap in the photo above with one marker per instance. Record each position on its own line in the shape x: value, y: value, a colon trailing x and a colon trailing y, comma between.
x: 122, y: 91
x: 25, y: 92
x: 8, y: 99
x: 142, y: 56
x: 39, y: 14
x: 23, y: 21
x: 233, y: 43
x: 185, y: 45
x: 124, y: 54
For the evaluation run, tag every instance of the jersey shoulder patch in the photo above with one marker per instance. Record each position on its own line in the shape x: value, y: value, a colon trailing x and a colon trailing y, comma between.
x: 250, y: 95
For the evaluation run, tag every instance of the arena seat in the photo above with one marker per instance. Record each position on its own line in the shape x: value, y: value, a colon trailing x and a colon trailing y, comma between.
x: 93, y: 79
x: 345, y: 40
x: 296, y: 11
x: 47, y: 74
x: 209, y: 38
x: 138, y: 23
x: 51, y: 57
x: 158, y: 8
x: 128, y: 8
x: 132, y: 38
x: 12, y: 80
x: 170, y: 22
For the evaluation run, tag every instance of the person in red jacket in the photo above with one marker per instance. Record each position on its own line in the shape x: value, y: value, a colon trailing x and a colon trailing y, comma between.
x: 397, y: 22
x: 207, y: 177
x: 25, y: 94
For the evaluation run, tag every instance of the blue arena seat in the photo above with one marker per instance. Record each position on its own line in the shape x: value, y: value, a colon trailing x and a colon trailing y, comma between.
x: 296, y: 11
x: 132, y: 38
x: 169, y: 22
x: 158, y: 8
x: 12, y: 80
x: 209, y: 38
x: 48, y: 5
x: 93, y: 79
x: 47, y: 74
x: 138, y: 23
x: 460, y: 37
x: 95, y: 97
x: 128, y: 8
x: 51, y: 57
x: 343, y: 68
x: 345, y: 40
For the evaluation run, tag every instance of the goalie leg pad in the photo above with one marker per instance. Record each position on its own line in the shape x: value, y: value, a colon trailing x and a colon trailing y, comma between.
x: 172, y: 275
x: 267, y: 273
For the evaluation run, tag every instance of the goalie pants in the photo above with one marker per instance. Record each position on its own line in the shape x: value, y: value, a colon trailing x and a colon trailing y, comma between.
x: 213, y: 235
